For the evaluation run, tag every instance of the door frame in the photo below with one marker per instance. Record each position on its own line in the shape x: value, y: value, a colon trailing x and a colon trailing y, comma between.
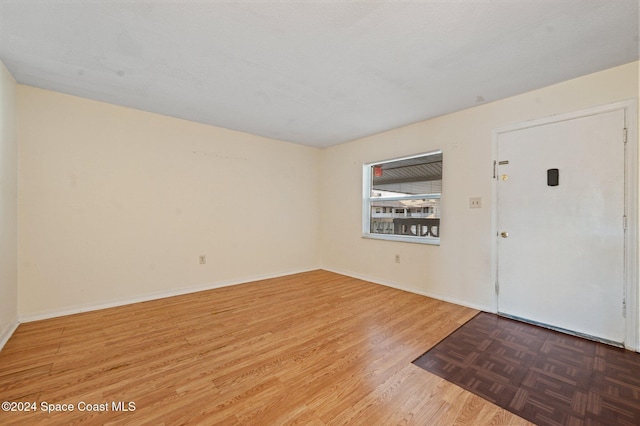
x: 632, y: 184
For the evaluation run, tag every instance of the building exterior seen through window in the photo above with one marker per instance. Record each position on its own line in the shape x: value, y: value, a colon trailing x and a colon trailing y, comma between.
x: 402, y: 198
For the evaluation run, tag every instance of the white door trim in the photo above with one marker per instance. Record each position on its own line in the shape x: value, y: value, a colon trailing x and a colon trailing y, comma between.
x: 632, y: 293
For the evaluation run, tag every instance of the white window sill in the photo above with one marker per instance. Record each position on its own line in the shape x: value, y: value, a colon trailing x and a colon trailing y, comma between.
x: 403, y: 238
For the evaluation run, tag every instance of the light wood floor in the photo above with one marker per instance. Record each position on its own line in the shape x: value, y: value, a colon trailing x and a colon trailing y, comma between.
x: 314, y: 348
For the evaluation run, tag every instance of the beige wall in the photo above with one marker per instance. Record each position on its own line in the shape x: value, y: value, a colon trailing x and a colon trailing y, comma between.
x: 460, y: 268
x: 8, y: 207
x: 117, y: 204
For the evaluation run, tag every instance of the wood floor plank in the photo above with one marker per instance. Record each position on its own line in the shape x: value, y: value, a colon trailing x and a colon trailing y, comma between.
x: 315, y: 348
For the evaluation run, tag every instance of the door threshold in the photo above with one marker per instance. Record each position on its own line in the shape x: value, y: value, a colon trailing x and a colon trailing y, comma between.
x: 564, y: 330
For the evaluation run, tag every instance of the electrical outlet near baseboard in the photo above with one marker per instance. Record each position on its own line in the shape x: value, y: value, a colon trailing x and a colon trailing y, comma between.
x: 203, y: 259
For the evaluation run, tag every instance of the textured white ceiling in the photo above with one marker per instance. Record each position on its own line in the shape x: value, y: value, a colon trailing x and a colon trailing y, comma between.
x: 316, y: 73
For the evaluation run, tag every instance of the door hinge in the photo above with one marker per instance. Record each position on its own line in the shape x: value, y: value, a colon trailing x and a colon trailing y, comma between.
x: 624, y: 308
x: 494, y: 169
x: 624, y: 135
x: 624, y: 222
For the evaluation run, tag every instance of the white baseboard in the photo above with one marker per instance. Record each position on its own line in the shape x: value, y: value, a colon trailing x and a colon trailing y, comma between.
x: 6, y: 334
x: 37, y: 316
x: 444, y: 298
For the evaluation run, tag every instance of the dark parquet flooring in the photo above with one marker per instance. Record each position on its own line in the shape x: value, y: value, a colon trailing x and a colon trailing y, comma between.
x: 544, y: 376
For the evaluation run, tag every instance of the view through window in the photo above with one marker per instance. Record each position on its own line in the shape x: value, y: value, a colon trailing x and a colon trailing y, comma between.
x: 402, y: 198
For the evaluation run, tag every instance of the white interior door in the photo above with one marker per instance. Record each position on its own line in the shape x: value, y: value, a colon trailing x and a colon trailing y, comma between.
x: 561, y: 248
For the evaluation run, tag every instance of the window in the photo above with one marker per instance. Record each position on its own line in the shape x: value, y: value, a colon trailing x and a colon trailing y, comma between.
x: 402, y: 199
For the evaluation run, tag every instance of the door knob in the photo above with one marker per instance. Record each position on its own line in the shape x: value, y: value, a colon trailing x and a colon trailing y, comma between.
x: 504, y: 234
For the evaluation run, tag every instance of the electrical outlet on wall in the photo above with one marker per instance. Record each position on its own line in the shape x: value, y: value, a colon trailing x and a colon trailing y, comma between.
x: 397, y: 258
x: 475, y: 202
x: 203, y: 259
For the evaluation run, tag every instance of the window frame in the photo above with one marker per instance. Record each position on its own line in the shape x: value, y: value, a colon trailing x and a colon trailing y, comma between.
x: 367, y: 200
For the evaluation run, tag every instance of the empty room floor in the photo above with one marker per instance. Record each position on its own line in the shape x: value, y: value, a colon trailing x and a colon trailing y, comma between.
x: 311, y: 348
